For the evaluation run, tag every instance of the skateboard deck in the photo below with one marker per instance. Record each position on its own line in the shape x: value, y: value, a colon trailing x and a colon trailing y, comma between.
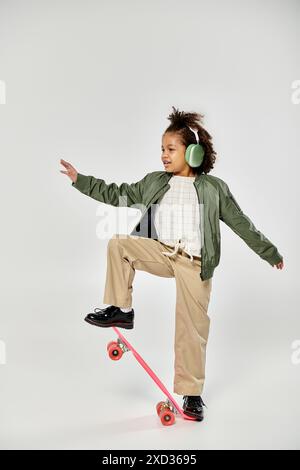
x: 165, y: 410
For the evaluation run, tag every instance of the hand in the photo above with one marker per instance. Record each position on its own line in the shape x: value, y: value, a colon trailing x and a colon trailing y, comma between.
x: 279, y: 265
x: 71, y: 172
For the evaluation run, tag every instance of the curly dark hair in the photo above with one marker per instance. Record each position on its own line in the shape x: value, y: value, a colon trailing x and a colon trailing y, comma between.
x: 179, y: 125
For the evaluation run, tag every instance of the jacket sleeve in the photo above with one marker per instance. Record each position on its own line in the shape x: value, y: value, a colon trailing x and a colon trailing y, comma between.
x: 233, y: 216
x: 124, y: 195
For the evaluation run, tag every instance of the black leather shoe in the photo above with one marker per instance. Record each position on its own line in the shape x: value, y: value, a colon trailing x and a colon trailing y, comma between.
x: 193, y: 406
x: 111, y: 316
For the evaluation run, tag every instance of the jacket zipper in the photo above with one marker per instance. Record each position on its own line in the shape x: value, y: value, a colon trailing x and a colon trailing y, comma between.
x: 158, y: 192
x: 201, y: 210
x: 167, y: 185
x: 161, y: 190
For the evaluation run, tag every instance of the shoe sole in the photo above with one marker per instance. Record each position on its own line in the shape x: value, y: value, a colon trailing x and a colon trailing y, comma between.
x: 109, y: 325
x: 192, y: 415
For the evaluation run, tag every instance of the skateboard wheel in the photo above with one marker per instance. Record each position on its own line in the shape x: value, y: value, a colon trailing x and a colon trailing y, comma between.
x: 159, y: 407
x: 115, y: 352
x: 109, y: 344
x: 167, y: 417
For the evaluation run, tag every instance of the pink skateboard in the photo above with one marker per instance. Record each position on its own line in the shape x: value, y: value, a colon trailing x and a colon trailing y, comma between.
x: 166, y: 410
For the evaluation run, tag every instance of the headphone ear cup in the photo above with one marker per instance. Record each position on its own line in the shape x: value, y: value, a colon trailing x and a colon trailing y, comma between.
x: 194, y: 155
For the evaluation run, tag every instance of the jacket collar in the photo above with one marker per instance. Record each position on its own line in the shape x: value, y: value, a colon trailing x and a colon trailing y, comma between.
x: 168, y: 176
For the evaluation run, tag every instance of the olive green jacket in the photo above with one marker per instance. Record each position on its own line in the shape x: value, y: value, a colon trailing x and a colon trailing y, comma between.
x: 216, y: 203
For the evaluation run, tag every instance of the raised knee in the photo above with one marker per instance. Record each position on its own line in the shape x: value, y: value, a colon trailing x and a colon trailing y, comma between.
x: 116, y: 238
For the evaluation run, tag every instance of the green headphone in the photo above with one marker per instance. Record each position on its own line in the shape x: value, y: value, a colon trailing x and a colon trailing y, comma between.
x: 194, y: 153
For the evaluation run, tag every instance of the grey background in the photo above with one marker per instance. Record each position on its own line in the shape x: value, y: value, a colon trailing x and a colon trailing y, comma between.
x: 93, y: 82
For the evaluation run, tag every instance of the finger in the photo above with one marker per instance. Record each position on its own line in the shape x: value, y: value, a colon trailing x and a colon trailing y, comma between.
x: 66, y: 164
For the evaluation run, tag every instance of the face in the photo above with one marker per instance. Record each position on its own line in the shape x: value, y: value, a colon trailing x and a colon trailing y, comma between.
x: 172, y: 155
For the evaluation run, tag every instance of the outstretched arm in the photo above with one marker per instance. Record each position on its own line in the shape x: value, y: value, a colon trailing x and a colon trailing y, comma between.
x: 125, y: 195
x: 232, y: 214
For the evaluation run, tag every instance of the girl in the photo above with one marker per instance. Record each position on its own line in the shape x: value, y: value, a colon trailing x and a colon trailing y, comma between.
x: 177, y: 236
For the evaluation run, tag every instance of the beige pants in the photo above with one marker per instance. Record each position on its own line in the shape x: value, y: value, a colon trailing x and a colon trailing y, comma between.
x: 125, y: 254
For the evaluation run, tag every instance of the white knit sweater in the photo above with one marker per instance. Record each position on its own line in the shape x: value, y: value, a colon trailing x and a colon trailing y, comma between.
x: 177, y: 217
